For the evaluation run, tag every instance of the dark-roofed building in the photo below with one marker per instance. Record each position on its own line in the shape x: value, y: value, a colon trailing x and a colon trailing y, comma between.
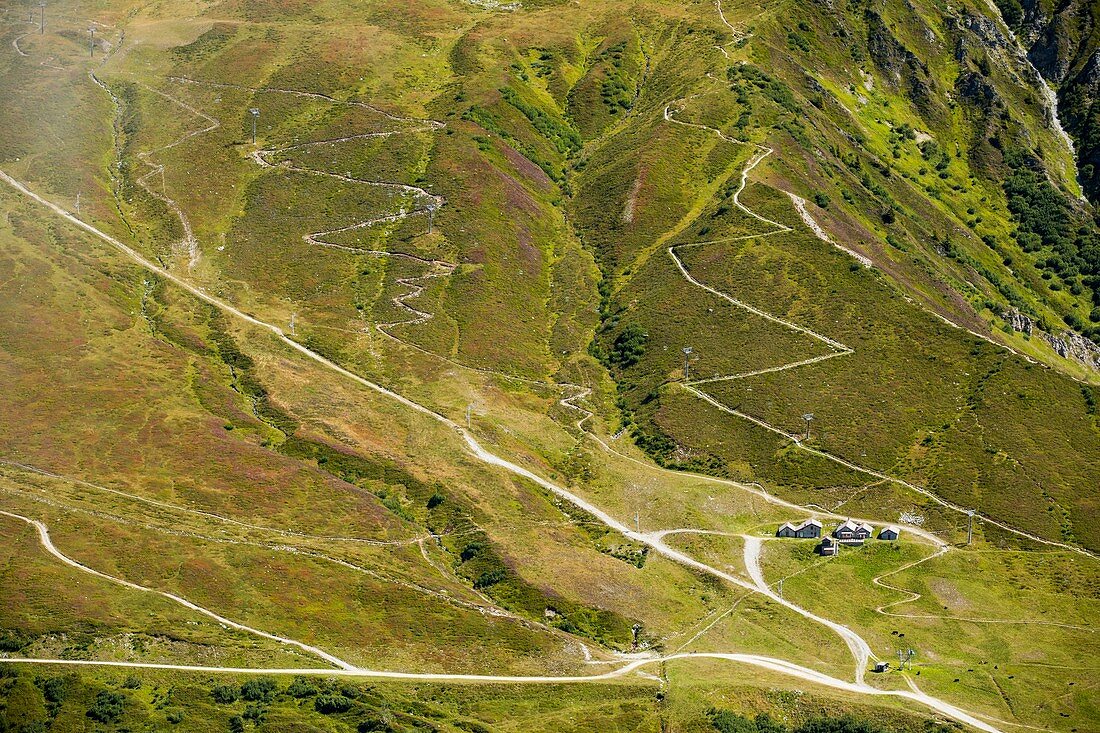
x: 828, y: 547
x: 853, y: 533
x: 809, y: 529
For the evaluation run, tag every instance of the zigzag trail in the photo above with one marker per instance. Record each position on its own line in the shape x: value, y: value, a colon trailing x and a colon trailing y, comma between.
x: 913, y: 596
x: 861, y: 650
x: 440, y: 268
x: 415, y: 285
x: 189, y: 240
x: 489, y: 458
x: 838, y: 348
x: 424, y: 201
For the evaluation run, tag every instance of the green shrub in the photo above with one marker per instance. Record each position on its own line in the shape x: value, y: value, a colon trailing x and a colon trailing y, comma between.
x: 328, y: 704
x: 259, y: 689
x: 628, y: 347
x: 107, y: 707
x: 302, y: 687
x: 54, y: 689
x: 224, y: 694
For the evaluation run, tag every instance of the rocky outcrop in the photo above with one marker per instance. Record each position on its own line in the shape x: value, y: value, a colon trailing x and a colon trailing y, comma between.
x: 1062, y: 42
x: 1018, y: 321
x: 1079, y: 101
x: 1068, y: 344
x: 1072, y: 345
x: 901, y: 66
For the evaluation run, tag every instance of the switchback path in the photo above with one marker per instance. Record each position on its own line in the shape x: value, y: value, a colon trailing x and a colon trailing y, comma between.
x: 855, y: 642
x: 429, y: 202
x: 914, y: 596
x: 487, y: 457
x: 838, y: 348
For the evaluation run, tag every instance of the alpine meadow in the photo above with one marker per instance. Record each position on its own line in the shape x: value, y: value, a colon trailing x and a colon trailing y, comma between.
x: 470, y: 366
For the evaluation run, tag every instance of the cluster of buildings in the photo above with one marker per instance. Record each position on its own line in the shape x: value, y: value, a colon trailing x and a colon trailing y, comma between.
x: 849, y: 532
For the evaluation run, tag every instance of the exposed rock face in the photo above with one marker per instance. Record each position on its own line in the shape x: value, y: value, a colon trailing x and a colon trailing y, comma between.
x: 1079, y: 99
x: 900, y: 65
x: 1019, y: 321
x: 1068, y: 345
x: 1062, y: 41
x: 1072, y: 345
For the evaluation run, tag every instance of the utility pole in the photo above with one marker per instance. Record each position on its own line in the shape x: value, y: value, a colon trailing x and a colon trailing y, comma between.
x: 469, y: 409
x: 779, y: 588
x: 292, y: 317
x: 970, y: 526
x: 808, y: 417
x: 431, y: 216
x: 91, y: 48
x: 637, y: 521
x: 42, y: 17
x: 255, y: 112
x: 687, y: 363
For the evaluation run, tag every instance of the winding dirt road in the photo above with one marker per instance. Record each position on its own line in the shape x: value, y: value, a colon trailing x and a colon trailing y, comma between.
x: 773, y: 665
x: 861, y: 651
x: 487, y: 457
x: 47, y: 543
x: 839, y: 349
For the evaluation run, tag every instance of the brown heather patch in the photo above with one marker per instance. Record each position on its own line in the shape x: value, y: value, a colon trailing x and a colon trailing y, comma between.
x: 525, y: 168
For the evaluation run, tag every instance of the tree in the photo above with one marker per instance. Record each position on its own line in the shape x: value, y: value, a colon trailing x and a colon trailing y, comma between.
x: 629, y: 346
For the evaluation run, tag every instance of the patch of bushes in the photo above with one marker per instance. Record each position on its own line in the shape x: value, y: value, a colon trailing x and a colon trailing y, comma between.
x: 224, y: 694
x: 564, y: 138
x: 725, y: 721
x: 107, y: 707
x: 329, y: 704
x: 769, y: 86
x: 258, y: 689
x: 628, y: 347
x: 302, y: 687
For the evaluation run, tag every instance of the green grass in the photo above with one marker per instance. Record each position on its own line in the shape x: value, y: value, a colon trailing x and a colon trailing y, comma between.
x: 563, y: 194
x: 1027, y: 671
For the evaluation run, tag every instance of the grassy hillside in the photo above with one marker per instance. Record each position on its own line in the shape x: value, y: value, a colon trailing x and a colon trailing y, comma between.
x: 517, y: 217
